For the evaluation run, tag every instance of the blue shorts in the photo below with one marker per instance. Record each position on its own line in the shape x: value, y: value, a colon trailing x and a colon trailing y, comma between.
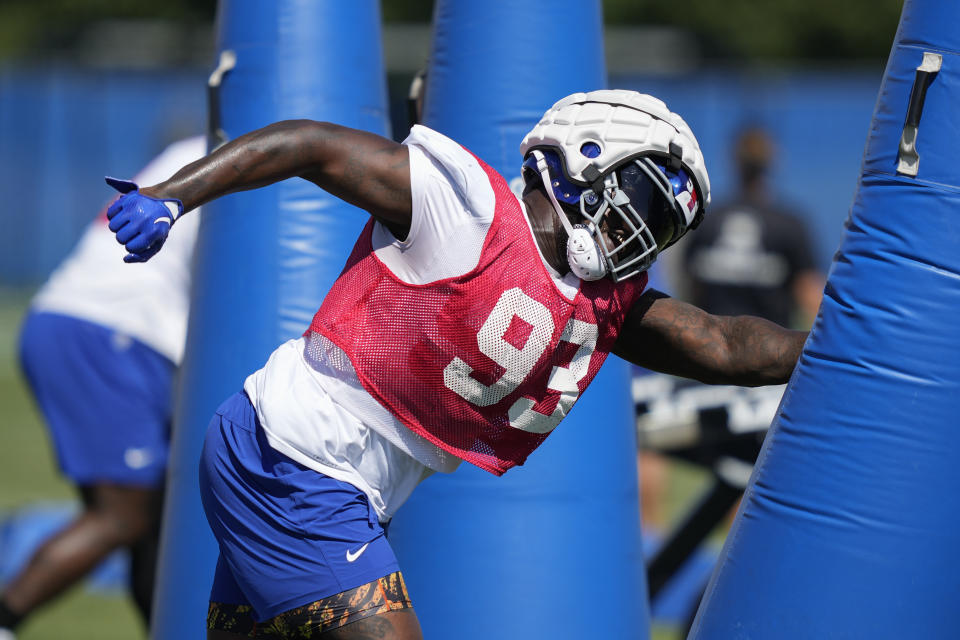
x: 106, y: 399
x: 288, y: 535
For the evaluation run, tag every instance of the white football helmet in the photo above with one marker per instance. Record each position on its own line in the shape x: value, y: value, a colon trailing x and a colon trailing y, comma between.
x: 622, y: 160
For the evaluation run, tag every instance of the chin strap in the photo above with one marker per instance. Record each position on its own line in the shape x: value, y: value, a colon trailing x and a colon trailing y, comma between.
x: 583, y: 253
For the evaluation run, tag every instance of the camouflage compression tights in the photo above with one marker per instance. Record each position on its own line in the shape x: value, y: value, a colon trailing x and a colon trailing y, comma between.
x: 309, y: 621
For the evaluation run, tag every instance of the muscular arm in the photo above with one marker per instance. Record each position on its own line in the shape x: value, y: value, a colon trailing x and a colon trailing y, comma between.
x: 670, y: 336
x: 362, y: 168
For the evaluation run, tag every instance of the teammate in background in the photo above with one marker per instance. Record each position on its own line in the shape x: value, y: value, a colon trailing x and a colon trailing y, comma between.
x: 100, y: 347
x: 464, y: 326
x: 753, y: 256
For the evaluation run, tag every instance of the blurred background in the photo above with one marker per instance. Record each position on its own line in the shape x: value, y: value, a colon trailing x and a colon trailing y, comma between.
x: 97, y: 87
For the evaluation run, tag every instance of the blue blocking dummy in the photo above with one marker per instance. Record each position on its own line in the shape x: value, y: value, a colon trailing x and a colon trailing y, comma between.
x: 849, y: 527
x: 534, y: 553
x: 265, y: 258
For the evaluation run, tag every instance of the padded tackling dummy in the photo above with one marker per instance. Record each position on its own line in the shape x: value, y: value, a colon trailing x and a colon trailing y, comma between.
x: 265, y: 258
x: 552, y: 548
x: 848, y: 529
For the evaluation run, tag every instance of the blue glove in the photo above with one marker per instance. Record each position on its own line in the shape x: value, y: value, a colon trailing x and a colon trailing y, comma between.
x: 140, y: 222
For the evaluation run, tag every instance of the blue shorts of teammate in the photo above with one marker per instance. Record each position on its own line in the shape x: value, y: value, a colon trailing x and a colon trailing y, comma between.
x: 288, y: 535
x: 106, y: 399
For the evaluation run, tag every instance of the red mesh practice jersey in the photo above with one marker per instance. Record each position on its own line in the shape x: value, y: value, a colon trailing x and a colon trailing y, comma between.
x: 485, y: 364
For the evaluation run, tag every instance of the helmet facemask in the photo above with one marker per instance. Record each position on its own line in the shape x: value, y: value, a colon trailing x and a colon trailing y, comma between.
x: 629, y: 215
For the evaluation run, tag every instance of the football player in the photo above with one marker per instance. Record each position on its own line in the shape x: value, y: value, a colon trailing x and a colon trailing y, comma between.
x: 464, y: 326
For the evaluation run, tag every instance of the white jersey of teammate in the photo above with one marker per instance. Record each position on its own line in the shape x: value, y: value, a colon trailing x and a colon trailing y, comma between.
x: 308, y: 399
x: 146, y: 301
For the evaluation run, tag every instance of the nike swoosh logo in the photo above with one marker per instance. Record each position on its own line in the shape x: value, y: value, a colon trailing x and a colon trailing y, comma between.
x: 353, y: 555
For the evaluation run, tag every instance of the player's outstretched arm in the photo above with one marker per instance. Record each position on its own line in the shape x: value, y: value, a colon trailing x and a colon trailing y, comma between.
x: 364, y: 169
x: 670, y: 336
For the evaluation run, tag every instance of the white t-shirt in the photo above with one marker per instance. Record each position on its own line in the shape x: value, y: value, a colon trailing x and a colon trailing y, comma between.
x: 147, y: 301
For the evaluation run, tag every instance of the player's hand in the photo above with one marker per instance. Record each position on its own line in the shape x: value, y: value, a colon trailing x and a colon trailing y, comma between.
x: 141, y: 223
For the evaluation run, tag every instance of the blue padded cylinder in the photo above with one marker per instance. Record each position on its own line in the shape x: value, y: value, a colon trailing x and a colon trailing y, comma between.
x: 265, y: 258
x: 535, y: 553
x: 849, y: 525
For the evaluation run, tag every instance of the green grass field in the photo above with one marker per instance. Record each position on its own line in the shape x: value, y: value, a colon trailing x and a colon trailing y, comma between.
x: 28, y: 474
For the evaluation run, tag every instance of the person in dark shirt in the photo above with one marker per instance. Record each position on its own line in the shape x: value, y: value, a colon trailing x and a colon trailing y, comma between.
x: 753, y: 255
